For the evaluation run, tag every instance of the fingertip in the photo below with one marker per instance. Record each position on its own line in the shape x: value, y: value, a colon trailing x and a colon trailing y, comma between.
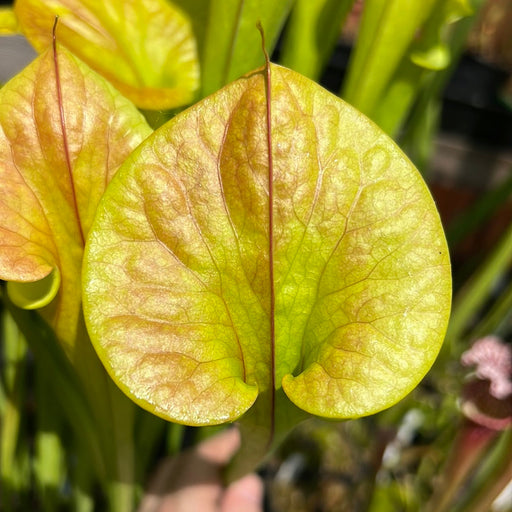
x: 244, y: 495
x: 220, y: 448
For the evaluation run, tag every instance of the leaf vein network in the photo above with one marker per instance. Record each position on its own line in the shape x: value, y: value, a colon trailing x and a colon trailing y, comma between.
x: 219, y: 273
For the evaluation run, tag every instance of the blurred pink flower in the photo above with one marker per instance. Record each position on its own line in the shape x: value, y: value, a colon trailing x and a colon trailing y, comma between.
x: 493, y: 361
x: 487, y: 399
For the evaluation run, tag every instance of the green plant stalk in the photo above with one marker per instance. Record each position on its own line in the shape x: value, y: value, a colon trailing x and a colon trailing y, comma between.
x: 121, y: 495
x: 13, y: 478
x: 495, y: 475
x: 113, y: 415
x: 48, y: 466
x: 83, y: 493
x: 418, y: 136
x: 391, y: 111
x: 421, y: 127
x: 107, y: 431
x: 382, y: 43
x: 419, y: 64
x: 361, y: 52
x: 477, y: 290
x: 254, y: 435
x: 494, y: 321
x: 15, y: 351
x: 149, y: 432
x: 175, y: 436
x: 49, y: 453
x: 480, y: 212
x: 469, y: 448
x: 311, y: 34
x: 10, y: 475
x: 83, y: 502
x: 231, y: 42
x: 65, y: 385
x: 121, y: 483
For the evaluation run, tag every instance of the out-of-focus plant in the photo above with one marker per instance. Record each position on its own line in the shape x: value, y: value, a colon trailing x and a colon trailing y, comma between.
x: 265, y: 256
x: 487, y: 411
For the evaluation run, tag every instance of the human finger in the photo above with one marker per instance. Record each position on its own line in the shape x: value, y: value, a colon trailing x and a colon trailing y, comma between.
x: 244, y: 495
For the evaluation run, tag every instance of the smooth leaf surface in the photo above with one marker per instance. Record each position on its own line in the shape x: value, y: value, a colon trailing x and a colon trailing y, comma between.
x: 64, y: 131
x: 178, y: 269
x: 145, y: 48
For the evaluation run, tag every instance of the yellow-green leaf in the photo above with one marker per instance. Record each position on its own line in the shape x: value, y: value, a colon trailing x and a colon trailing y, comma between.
x: 230, y: 264
x: 145, y: 48
x: 8, y: 22
x: 64, y: 131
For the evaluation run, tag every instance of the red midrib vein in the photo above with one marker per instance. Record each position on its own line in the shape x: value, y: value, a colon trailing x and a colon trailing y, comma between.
x: 64, y: 132
x: 268, y: 83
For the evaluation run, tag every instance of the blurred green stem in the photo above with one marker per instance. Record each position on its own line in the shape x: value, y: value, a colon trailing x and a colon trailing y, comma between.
x: 49, y: 450
x: 421, y: 126
x: 311, y: 35
x: 383, y: 41
x: 65, y: 386
x: 83, y: 495
x: 478, y: 213
x: 497, y: 317
x: 395, y: 104
x: 13, y: 478
x: 121, y: 487
x: 175, y: 438
x: 477, y: 290
x: 149, y: 431
x: 495, y: 475
x: 470, y: 445
x: 103, y: 424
